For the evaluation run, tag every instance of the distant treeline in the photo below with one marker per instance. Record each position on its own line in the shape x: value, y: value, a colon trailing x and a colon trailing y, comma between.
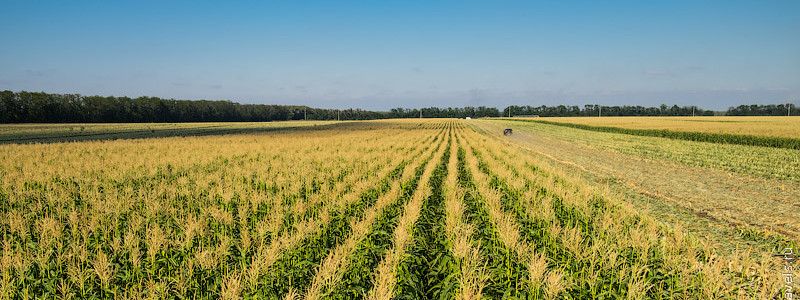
x: 663, y: 110
x: 595, y: 110
x: 39, y: 107
x: 450, y: 112
x: 764, y: 110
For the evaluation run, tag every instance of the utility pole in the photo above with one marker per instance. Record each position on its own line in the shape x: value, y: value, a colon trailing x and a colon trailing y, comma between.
x: 599, y: 110
x: 305, y: 116
x: 420, y: 113
x: 338, y: 112
x: 692, y: 111
x: 788, y: 109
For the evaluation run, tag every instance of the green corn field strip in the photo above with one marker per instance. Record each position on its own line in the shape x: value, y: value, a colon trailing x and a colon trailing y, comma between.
x: 357, y: 278
x: 536, y: 232
x: 429, y: 269
x: 571, y: 217
x: 608, y: 282
x: 313, y: 212
x: 305, y: 193
x: 168, y: 262
x: 295, y: 268
x: 290, y: 218
x: 207, y: 280
x: 508, y: 275
x: 566, y: 215
x: 718, y: 138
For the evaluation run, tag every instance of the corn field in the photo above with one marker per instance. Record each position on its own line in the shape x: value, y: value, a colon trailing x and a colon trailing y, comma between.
x: 399, y: 209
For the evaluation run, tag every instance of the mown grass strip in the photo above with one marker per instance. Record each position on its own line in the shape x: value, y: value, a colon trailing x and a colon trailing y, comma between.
x: 508, y: 274
x: 295, y: 268
x: 718, y: 138
x: 429, y: 270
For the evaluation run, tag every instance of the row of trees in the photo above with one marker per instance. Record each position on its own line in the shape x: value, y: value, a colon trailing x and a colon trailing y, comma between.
x: 764, y: 110
x: 39, y: 107
x: 450, y: 112
x: 596, y: 110
x: 44, y: 107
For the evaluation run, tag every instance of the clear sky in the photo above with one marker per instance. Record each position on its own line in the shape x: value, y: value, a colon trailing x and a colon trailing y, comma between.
x: 383, y: 54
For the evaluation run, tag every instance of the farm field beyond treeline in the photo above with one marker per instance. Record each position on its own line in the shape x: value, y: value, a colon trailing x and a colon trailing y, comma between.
x: 393, y: 209
x: 761, y: 126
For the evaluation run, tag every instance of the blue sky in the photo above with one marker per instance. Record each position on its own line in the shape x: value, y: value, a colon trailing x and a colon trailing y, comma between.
x: 383, y: 54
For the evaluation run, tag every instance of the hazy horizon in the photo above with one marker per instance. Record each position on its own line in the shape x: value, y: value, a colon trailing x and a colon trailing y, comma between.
x: 713, y: 54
